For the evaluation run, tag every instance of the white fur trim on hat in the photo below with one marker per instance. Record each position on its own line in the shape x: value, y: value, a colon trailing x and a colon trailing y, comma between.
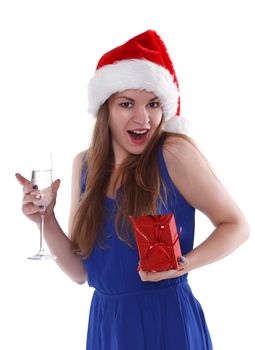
x: 133, y: 74
x: 177, y: 124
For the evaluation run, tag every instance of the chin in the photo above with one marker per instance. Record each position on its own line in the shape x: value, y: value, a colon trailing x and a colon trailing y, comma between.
x: 137, y: 151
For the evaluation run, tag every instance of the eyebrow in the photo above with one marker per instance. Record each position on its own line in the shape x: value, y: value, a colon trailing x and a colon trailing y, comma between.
x: 131, y: 99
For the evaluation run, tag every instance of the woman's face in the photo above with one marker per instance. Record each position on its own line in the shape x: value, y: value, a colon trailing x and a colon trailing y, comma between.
x: 134, y: 115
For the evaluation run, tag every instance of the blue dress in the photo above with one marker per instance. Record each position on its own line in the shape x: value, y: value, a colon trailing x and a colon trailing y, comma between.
x: 129, y: 314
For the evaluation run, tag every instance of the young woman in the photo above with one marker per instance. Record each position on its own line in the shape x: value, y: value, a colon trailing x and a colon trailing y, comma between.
x: 140, y: 162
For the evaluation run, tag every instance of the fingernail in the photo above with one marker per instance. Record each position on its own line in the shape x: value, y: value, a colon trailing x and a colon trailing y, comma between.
x: 181, y: 260
x: 35, y: 187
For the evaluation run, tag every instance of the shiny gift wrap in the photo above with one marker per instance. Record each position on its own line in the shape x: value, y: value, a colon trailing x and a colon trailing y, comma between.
x: 158, y: 244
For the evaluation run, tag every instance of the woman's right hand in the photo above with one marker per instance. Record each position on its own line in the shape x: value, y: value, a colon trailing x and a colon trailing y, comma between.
x: 31, y: 210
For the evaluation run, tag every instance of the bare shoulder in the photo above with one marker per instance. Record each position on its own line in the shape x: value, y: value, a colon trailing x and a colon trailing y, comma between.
x: 79, y: 159
x: 184, y: 160
x: 190, y: 171
x: 193, y: 176
x: 177, y: 148
x: 76, y: 172
x: 75, y: 186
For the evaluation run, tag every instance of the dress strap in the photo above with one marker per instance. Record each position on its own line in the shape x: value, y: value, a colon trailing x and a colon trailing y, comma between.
x: 83, y: 178
x: 172, y: 190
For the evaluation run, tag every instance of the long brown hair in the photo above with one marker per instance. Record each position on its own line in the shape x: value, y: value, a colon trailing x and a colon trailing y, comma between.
x: 140, y: 179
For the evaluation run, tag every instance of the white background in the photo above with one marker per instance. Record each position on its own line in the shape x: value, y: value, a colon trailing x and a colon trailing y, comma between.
x: 49, y: 50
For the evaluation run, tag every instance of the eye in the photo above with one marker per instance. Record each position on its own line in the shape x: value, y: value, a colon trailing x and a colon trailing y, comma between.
x: 154, y: 104
x: 126, y: 104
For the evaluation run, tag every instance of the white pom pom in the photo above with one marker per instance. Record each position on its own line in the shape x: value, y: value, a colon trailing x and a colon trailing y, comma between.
x: 177, y: 124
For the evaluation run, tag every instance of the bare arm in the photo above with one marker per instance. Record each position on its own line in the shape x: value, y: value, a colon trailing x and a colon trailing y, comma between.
x: 201, y: 188
x: 59, y: 244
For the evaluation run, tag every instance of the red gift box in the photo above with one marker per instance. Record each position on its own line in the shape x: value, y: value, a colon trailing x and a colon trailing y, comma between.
x: 158, y: 244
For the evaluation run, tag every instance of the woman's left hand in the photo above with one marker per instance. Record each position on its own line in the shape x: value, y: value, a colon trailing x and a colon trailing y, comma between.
x: 163, y: 275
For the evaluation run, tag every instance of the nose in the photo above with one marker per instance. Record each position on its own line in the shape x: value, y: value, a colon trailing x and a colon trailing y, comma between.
x: 141, y: 116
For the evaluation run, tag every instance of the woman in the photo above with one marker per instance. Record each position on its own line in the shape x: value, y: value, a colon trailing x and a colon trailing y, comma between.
x: 140, y: 162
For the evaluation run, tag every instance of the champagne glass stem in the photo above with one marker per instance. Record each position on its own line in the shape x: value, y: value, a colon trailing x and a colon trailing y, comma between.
x: 41, y: 233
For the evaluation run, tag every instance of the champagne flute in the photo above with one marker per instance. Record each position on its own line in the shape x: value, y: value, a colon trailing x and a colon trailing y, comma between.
x: 42, y: 180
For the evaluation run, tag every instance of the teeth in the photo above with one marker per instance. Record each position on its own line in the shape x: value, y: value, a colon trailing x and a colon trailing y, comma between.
x: 139, y: 132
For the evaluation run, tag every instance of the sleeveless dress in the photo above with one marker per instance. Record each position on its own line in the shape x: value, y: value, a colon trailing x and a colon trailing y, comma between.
x: 129, y: 314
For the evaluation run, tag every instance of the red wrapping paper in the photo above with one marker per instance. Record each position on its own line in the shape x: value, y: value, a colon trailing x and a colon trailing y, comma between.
x: 158, y: 242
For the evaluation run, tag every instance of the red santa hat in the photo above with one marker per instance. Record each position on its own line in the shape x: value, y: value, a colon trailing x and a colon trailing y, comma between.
x: 141, y: 63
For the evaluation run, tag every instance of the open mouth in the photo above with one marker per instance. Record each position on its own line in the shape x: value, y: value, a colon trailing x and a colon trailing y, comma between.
x: 138, y: 134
